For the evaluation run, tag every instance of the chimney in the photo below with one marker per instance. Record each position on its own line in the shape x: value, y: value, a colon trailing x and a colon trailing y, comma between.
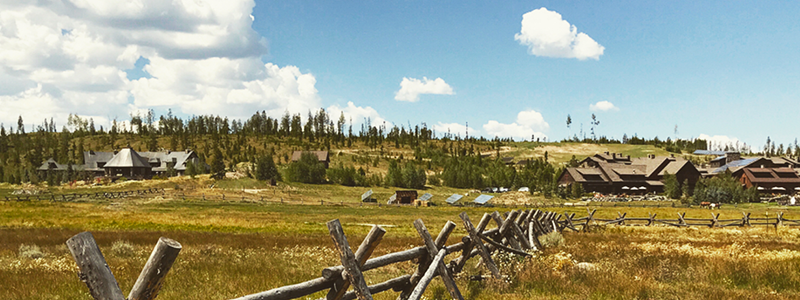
x: 628, y: 157
x: 672, y: 155
x: 614, y: 156
x: 606, y: 152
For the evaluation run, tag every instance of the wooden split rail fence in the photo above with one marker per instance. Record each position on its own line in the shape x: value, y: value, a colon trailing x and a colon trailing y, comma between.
x: 77, y: 196
x: 516, y: 232
x: 681, y: 221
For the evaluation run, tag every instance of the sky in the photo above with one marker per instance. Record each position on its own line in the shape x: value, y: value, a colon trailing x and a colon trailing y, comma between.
x: 721, y: 70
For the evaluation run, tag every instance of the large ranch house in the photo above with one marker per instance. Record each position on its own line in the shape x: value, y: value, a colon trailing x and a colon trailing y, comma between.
x: 769, y: 175
x: 613, y: 173
x: 127, y: 163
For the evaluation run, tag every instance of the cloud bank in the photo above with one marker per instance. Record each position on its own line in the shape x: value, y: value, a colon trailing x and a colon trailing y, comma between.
x: 204, y: 58
x: 719, y: 142
x: 547, y: 34
x: 603, y: 106
x: 528, y: 123
x: 455, y: 129
x: 358, y: 114
x: 411, y: 88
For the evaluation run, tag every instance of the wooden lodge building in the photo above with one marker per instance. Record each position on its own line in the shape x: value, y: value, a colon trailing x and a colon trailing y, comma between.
x: 771, y: 180
x: 617, y: 174
x: 128, y: 163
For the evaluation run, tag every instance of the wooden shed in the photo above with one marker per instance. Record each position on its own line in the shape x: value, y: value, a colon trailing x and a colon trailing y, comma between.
x: 406, y: 197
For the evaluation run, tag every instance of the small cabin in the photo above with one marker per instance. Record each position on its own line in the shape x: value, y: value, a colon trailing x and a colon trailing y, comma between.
x: 405, y: 197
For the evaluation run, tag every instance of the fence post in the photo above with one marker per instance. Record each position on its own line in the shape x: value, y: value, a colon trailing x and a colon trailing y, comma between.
x: 155, y: 270
x: 439, y: 266
x: 426, y: 279
x: 478, y: 244
x: 349, y: 262
x: 364, y: 251
x: 94, y: 270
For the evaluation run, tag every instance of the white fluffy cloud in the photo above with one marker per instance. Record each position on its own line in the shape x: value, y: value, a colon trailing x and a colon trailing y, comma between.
x: 204, y: 58
x: 455, y: 129
x: 411, y: 88
x: 718, y: 142
x: 358, y: 114
x: 547, y: 34
x: 603, y: 106
x: 528, y: 123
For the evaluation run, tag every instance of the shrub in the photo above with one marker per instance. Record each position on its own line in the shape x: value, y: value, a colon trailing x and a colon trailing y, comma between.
x: 552, y: 239
x: 122, y: 248
x: 30, y: 251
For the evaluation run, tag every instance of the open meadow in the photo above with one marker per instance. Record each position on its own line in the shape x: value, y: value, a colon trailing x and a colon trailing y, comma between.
x: 233, y: 248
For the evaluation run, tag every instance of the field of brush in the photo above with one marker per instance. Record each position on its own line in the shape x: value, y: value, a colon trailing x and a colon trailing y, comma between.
x: 232, y: 248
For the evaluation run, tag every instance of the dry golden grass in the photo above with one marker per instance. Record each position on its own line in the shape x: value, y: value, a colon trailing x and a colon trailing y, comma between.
x: 231, y: 249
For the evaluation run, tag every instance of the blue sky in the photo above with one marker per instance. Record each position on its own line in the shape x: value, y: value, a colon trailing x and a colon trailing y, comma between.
x: 727, y: 68
x: 716, y: 68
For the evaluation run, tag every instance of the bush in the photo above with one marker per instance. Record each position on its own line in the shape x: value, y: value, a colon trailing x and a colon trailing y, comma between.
x: 552, y: 239
x: 347, y: 176
x: 30, y: 251
x: 122, y: 248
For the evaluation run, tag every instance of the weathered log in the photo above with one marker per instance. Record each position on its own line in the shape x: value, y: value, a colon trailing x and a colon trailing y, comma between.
x: 349, y: 260
x: 426, y: 279
x: 155, y: 270
x: 388, y: 259
x: 291, y: 291
x: 502, y: 232
x: 94, y: 270
x: 482, y: 251
x: 503, y: 247
x: 364, y: 251
x: 441, y: 239
x: 439, y: 266
x: 395, y: 284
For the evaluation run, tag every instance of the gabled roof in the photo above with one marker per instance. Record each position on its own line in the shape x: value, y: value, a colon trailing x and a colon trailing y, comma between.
x: 321, y: 155
x: 127, y: 158
x: 736, y: 165
x: 770, y: 175
x: 91, y: 158
x: 613, y: 170
x: 162, y: 158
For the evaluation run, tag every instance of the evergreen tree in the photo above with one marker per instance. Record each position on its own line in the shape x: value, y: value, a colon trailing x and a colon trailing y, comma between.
x: 217, y: 164
x: 672, y: 187
x: 266, y: 169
